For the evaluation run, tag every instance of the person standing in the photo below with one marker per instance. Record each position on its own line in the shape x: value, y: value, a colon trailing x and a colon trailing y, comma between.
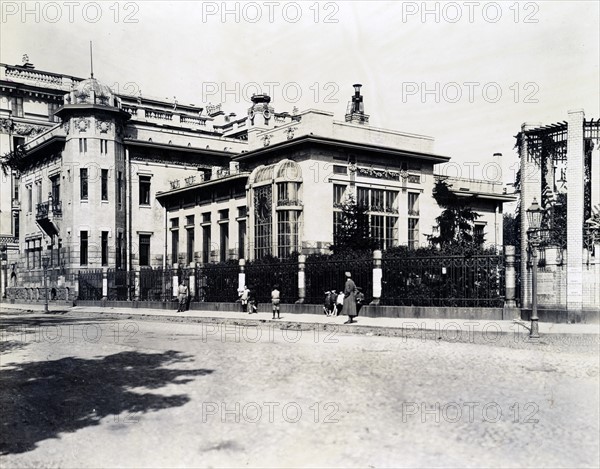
x: 182, y: 296
x: 275, y: 300
x: 350, y: 298
x: 244, y: 298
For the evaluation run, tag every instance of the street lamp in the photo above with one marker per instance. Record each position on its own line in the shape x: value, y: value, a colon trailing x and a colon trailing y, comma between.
x: 45, y: 263
x: 534, y: 217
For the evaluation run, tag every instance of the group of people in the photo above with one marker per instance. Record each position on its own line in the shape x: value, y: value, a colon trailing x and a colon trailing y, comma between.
x: 247, y: 297
x: 349, y: 300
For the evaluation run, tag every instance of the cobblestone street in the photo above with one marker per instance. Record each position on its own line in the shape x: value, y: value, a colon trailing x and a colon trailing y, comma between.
x: 91, y: 392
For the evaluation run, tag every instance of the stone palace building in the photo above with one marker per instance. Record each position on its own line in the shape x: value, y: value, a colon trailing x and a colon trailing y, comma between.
x: 127, y: 182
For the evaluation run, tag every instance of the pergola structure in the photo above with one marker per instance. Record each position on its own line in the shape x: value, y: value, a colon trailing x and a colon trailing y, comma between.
x: 560, y: 169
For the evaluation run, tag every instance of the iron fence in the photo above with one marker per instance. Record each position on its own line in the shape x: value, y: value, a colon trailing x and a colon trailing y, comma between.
x: 156, y: 284
x: 323, y: 275
x: 444, y: 281
x: 90, y: 284
x: 263, y: 276
x: 121, y: 285
x: 217, y: 282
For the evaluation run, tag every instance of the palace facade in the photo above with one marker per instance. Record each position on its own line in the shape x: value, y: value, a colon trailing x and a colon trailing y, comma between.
x: 128, y: 182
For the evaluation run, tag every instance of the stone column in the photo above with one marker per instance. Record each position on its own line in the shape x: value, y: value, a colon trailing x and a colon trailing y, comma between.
x: 136, y: 285
x: 104, y: 284
x: 301, y: 279
x: 192, y: 280
x: 531, y: 187
x: 575, y: 160
x: 175, y: 282
x: 377, y: 276
x: 241, y: 275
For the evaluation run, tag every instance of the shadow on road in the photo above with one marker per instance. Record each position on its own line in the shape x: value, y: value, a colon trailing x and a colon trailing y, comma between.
x: 39, y: 400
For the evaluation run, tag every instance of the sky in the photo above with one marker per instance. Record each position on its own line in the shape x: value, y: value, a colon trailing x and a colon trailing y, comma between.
x: 467, y: 73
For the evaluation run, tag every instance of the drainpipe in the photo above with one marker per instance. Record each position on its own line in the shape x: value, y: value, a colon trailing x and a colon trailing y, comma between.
x: 128, y: 221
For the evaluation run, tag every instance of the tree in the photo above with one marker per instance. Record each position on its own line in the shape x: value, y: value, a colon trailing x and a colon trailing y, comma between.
x: 13, y: 161
x: 353, y: 231
x: 511, y: 230
x: 455, y: 223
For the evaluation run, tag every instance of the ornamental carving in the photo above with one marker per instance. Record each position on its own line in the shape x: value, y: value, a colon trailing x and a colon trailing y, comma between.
x: 103, y: 126
x: 66, y: 127
x: 82, y: 124
x: 290, y: 132
x: 266, y: 140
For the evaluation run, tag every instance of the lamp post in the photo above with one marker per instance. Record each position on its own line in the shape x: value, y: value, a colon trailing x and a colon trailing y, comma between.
x: 534, y: 217
x: 45, y: 262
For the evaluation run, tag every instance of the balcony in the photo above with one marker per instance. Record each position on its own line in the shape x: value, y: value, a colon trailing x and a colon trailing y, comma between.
x: 295, y: 203
x: 46, y: 214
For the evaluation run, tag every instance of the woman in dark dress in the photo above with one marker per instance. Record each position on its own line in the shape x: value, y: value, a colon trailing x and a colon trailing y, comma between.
x: 350, y: 299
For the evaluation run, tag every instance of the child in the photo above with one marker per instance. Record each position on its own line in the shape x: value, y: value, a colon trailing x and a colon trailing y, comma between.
x: 252, y: 301
x: 339, y: 303
x: 360, y: 299
x: 275, y: 300
x: 329, y: 303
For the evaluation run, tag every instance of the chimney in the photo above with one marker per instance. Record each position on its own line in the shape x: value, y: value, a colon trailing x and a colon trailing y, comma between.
x: 356, y: 110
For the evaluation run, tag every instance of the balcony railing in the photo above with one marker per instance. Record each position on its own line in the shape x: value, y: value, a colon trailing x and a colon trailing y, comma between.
x: 45, y: 209
x: 289, y: 203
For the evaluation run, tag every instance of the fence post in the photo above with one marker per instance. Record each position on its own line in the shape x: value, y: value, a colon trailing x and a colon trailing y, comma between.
x: 301, y: 279
x: 136, y: 284
x: 192, y: 280
x: 241, y: 276
x: 104, y: 284
x: 175, y: 280
x: 510, y: 310
x: 377, y: 277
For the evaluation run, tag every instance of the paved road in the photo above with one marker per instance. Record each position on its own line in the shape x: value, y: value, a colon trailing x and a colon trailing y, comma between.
x: 91, y: 392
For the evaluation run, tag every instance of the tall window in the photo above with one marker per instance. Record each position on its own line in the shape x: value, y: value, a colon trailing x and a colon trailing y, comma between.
x: 29, y: 198
x: 190, y: 244
x: 104, y: 184
x: 478, y: 235
x: 83, y: 145
x: 16, y: 106
x: 103, y: 147
x: 174, y: 240
x: 339, y: 192
x: 413, y: 233
x: 377, y: 229
x: 120, y: 190
x: 206, y: 244
x: 104, y: 248
x: 241, y: 239
x: 16, y: 224
x: 144, y: 190
x: 83, y: 183
x: 287, y: 233
x: 263, y: 221
x: 413, y: 204
x: 224, y: 239
x: 144, y: 249
x: 52, y: 108
x: 119, y: 251
x: 55, y: 184
x: 83, y: 250
x: 38, y: 186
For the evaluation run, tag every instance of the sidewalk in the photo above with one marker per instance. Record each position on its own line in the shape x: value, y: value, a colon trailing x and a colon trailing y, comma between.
x: 364, y: 325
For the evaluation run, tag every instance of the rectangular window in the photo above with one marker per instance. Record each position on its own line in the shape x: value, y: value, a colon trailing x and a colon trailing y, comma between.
x: 478, y: 235
x: 16, y: 225
x: 224, y: 241
x: 413, y: 233
x: 413, y: 204
x: 83, y: 145
x: 224, y: 214
x: 29, y: 199
x: 337, y: 223
x: 52, y: 108
x: 16, y: 106
x: 338, y: 169
x: 190, y: 244
x: 83, y: 250
x: 189, y: 220
x: 242, y: 212
x: 145, y: 250
x: 104, y: 184
x: 287, y: 233
x: 119, y: 251
x: 206, y: 244
x: 377, y: 231
x: 241, y: 239
x: 377, y: 200
x: 391, y: 198
x: 55, y: 184
x: 103, y: 147
x: 104, y: 248
x: 15, y: 186
x: 206, y: 217
x: 175, y: 246
x: 362, y: 197
x: 144, y: 190
x: 120, y: 190
x: 390, y: 231
x: 174, y: 222
x: 339, y: 192
x: 83, y: 183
